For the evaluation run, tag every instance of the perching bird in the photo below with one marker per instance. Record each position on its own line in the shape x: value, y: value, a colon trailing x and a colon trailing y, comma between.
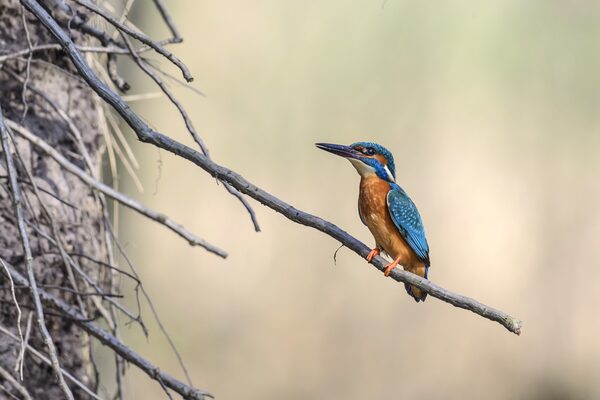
x: 388, y: 212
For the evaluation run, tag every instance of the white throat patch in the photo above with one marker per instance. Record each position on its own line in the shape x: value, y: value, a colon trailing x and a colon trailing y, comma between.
x: 365, y: 170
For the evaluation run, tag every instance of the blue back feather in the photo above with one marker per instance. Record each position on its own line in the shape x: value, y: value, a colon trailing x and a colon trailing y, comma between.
x: 407, y: 219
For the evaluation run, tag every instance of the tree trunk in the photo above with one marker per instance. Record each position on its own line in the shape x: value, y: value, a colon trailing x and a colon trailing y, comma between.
x: 77, y: 216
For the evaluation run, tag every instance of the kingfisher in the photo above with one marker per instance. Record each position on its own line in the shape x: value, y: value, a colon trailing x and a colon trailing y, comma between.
x: 388, y: 212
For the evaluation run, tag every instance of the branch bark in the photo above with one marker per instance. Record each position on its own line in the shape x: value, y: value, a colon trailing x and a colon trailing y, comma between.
x: 107, y: 339
x: 148, y: 135
x: 39, y: 310
x: 113, y: 194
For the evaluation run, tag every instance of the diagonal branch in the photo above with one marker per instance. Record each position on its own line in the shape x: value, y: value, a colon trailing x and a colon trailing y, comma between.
x: 148, y: 135
x: 15, y: 383
x: 139, y: 36
x: 39, y: 310
x: 166, y: 16
x: 42, y: 357
x: 186, y: 391
x: 110, y: 192
x: 188, y: 123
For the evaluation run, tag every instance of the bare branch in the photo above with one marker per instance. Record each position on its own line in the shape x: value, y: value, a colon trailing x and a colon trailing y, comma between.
x: 83, y: 49
x: 188, y: 123
x: 20, y: 363
x: 20, y: 388
x: 148, y: 135
x: 49, y: 193
x: 139, y: 36
x: 47, y: 361
x: 16, y: 192
x: 162, y: 9
x: 14, y: 296
x: 113, y: 73
x: 110, y: 192
x: 154, y: 312
x: 97, y: 288
x: 55, y: 233
x: 28, y: 67
x: 186, y: 391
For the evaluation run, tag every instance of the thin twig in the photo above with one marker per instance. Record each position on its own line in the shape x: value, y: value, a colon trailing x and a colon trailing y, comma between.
x: 114, y: 124
x: 49, y: 193
x: 186, y: 391
x: 20, y: 363
x: 139, y: 36
x: 113, y: 73
x: 14, y: 296
x: 75, y: 132
x: 107, y: 265
x: 97, y: 288
x: 7, y: 392
x: 55, y: 233
x: 128, y: 167
x: 166, y: 16
x: 28, y: 66
x: 188, y: 123
x: 148, y: 135
x: 110, y: 192
x: 20, y: 388
x: 47, y: 361
x: 16, y: 191
x: 83, y: 49
x: 156, y: 65
x: 153, y: 310
x: 184, y: 115
x: 125, y: 12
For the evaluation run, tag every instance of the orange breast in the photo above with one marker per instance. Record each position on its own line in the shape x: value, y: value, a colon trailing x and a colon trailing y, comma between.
x: 372, y: 204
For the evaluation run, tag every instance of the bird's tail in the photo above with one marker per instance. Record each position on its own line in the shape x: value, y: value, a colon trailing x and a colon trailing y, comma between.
x: 416, y: 293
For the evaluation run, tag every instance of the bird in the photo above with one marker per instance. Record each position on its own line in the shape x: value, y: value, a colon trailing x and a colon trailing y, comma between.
x: 387, y: 210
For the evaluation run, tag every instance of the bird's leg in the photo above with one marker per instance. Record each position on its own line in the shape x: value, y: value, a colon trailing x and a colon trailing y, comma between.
x: 391, y: 266
x: 373, y: 253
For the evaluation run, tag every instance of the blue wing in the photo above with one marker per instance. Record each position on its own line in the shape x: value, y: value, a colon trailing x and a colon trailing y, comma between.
x: 407, y: 219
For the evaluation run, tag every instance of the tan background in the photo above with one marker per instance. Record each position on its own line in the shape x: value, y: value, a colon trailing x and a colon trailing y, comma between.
x: 491, y: 109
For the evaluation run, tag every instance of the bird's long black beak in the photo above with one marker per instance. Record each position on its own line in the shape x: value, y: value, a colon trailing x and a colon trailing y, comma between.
x: 340, y: 150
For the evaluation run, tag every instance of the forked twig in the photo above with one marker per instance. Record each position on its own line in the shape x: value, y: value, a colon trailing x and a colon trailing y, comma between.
x: 39, y: 310
x: 139, y: 36
x: 186, y: 391
x: 110, y: 192
x: 45, y: 359
x: 188, y: 123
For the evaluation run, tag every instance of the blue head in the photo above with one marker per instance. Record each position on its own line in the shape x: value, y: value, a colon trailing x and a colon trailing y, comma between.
x: 368, y: 158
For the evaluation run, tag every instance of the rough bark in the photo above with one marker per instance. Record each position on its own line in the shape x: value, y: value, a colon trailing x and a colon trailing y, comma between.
x: 80, y: 226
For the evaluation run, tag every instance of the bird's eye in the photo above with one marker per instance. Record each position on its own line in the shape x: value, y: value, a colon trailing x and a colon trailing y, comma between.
x: 369, y: 151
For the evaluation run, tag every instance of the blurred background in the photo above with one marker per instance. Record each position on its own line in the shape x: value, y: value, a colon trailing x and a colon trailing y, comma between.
x: 491, y: 111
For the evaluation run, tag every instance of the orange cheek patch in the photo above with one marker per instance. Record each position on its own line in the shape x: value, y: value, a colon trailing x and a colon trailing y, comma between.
x: 380, y: 158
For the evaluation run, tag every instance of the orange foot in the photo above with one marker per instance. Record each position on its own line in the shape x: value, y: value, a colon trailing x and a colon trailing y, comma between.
x: 373, y: 253
x: 391, y: 266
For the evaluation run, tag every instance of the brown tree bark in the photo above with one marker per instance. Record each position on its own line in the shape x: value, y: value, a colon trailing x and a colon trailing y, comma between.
x: 78, y: 217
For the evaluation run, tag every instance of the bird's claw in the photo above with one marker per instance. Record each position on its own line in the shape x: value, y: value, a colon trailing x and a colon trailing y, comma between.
x: 372, y: 254
x: 390, y: 267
